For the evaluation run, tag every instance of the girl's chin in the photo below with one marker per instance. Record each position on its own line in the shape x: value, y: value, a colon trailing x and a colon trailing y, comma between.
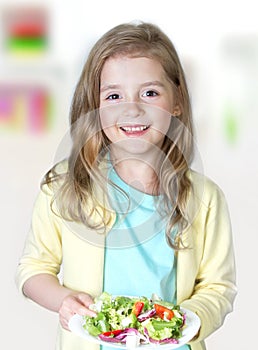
x: 134, y: 146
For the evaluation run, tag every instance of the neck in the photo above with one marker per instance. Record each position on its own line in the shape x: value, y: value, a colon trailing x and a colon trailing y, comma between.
x: 138, y: 174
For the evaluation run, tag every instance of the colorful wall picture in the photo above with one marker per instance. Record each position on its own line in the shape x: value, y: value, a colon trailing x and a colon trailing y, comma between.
x: 25, y: 29
x: 25, y: 108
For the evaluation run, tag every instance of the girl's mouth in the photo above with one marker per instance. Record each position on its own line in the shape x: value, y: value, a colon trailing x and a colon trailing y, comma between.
x: 134, y: 130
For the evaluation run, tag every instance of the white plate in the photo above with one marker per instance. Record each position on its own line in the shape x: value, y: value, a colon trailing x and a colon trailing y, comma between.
x: 192, y: 326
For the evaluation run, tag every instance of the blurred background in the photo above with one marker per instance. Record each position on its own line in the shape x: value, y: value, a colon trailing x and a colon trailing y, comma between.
x: 43, y: 45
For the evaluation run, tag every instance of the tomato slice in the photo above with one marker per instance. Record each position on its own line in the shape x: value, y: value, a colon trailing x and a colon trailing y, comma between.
x: 137, y: 308
x: 112, y: 333
x: 163, y: 312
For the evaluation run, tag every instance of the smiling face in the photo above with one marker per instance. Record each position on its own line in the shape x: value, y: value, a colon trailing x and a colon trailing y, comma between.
x: 136, y: 103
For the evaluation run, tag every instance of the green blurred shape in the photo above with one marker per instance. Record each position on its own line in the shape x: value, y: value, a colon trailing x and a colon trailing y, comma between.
x: 230, y: 124
x: 49, y: 112
x: 26, y: 44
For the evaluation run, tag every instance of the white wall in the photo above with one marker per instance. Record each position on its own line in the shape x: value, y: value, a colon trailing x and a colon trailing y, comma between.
x: 198, y: 29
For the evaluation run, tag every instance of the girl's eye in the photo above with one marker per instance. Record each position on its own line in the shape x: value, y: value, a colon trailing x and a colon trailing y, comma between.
x: 113, y: 97
x: 150, y: 93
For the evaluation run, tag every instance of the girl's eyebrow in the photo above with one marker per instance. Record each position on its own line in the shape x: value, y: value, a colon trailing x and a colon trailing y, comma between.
x: 106, y: 87
x: 154, y: 82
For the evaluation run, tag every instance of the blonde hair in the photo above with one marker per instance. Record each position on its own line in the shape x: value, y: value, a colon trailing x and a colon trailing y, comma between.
x: 76, y: 191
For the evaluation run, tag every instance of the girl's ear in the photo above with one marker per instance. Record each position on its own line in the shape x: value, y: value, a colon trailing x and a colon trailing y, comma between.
x: 176, y: 111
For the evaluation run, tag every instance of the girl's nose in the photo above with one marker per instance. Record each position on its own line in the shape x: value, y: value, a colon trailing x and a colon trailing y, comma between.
x: 132, y: 109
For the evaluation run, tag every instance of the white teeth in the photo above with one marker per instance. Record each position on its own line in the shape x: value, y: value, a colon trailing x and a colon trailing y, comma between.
x: 134, y: 128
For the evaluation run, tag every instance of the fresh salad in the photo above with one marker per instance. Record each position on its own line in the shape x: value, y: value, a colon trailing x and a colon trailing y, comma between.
x: 145, y: 320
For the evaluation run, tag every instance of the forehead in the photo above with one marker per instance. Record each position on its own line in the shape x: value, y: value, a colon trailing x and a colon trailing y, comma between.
x: 125, y: 67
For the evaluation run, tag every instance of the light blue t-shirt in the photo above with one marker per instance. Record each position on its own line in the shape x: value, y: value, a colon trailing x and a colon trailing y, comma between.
x: 138, y: 260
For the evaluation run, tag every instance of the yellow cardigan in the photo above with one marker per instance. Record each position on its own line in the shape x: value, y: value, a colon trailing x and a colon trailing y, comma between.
x: 205, y: 271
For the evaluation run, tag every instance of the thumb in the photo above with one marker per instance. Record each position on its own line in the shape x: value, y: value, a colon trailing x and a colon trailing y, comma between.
x: 86, y: 300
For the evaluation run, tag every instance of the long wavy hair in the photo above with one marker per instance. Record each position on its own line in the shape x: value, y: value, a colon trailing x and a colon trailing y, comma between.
x: 76, y: 192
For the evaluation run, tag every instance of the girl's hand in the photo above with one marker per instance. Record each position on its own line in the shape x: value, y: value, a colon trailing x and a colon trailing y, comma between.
x: 76, y: 303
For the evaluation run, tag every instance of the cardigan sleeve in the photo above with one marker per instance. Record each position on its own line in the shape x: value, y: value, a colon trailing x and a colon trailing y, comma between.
x: 43, y: 249
x: 214, y: 287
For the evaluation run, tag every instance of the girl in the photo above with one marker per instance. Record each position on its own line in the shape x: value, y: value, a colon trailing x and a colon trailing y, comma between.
x: 125, y: 213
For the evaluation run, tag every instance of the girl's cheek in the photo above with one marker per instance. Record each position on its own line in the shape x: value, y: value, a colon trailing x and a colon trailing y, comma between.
x: 105, y: 115
x: 109, y: 115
